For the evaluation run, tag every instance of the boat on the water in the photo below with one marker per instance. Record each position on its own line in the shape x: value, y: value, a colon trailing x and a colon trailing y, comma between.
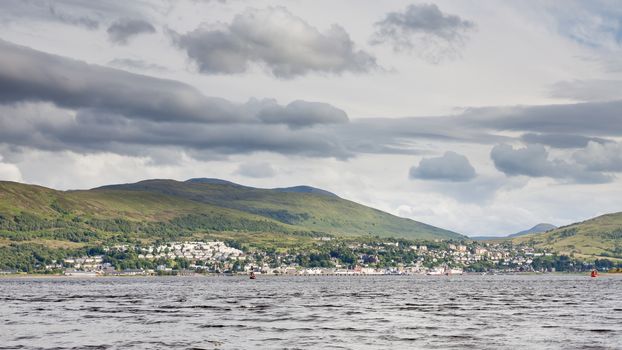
x: 594, y: 273
x: 253, y: 276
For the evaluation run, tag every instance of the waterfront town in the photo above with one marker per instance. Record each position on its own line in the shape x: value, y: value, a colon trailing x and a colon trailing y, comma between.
x: 391, y: 257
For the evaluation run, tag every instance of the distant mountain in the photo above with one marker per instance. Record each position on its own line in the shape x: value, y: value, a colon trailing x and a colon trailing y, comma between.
x: 160, y: 209
x: 600, y: 236
x: 539, y: 228
x: 536, y: 229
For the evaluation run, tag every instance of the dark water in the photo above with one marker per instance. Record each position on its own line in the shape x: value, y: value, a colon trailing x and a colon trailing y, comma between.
x: 476, y: 312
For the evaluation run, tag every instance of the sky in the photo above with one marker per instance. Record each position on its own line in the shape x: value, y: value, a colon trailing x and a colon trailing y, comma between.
x: 481, y: 117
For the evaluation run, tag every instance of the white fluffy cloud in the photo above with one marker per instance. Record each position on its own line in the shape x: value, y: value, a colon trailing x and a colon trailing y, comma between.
x: 273, y: 37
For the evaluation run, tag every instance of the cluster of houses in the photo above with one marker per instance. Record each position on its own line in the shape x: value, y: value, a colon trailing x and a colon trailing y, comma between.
x: 201, y: 254
x: 216, y: 256
x: 193, y: 251
x: 436, y: 259
x: 493, y: 253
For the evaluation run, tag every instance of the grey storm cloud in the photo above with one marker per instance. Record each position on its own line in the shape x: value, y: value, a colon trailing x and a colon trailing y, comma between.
x: 46, y: 127
x: 123, y: 29
x: 30, y: 75
x: 425, y: 30
x: 450, y: 166
x: 256, y: 170
x: 278, y: 40
x: 533, y: 161
x: 55, y: 103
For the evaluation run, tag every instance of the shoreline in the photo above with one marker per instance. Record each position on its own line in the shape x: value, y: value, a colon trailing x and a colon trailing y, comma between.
x: 61, y: 276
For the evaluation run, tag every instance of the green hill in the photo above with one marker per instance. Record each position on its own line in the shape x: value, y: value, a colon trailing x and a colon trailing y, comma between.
x: 166, y: 209
x: 600, y: 236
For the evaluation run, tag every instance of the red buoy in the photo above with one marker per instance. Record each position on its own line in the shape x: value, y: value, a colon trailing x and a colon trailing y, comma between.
x: 594, y: 273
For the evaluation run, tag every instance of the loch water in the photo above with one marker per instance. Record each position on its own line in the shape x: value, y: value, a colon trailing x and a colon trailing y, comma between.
x: 374, y: 312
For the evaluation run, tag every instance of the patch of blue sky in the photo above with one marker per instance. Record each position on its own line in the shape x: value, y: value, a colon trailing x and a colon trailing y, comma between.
x: 595, y: 24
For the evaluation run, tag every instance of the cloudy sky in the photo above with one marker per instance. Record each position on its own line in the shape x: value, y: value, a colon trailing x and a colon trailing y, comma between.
x: 481, y: 117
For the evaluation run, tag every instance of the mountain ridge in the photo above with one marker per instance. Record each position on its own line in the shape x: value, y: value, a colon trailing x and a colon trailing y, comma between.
x: 204, y: 204
x: 216, y: 181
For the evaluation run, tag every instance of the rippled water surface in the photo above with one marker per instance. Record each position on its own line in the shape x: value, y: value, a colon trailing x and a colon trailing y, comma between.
x: 384, y: 312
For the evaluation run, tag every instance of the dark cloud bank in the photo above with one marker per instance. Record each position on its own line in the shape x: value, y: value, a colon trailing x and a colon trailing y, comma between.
x: 110, y: 107
x: 27, y: 75
x: 54, y: 103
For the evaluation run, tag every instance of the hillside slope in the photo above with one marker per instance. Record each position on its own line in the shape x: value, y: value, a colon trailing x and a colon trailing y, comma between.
x: 163, y: 209
x: 304, y: 207
x: 600, y: 236
x: 539, y: 228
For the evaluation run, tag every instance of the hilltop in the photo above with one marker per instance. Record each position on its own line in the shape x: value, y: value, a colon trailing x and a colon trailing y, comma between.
x: 161, y: 209
x: 599, y: 236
